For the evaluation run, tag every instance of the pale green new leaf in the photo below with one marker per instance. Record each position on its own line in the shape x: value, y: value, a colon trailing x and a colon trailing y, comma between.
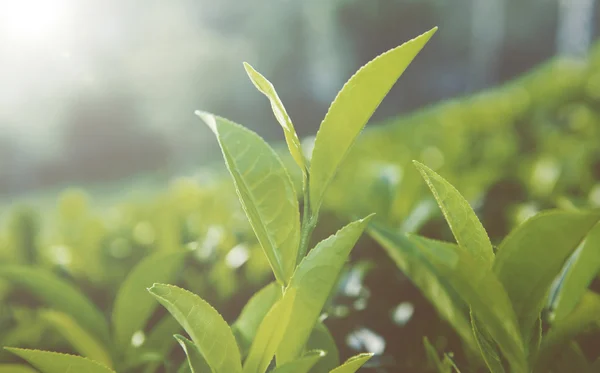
x: 314, y: 280
x: 291, y: 138
x: 270, y: 334
x: 433, y: 285
x: 16, y: 368
x: 265, y: 191
x: 253, y: 313
x: 487, y: 347
x: 466, y: 227
x: 204, y: 325
x: 81, y: 340
x: 133, y: 306
x: 581, y: 270
x: 352, y: 108
x: 61, y: 295
x: 321, y: 339
x: 530, y: 258
x: 482, y: 291
x: 53, y: 362
x: 301, y: 365
x: 195, y: 360
x: 353, y: 364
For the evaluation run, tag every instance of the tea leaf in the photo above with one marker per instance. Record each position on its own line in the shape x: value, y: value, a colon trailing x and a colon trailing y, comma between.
x: 353, y: 364
x: 419, y: 269
x: 301, y: 365
x: 482, y: 291
x: 531, y: 257
x: 434, y: 359
x: 265, y: 191
x: 487, y: 347
x: 314, y: 280
x: 133, y: 307
x: 466, y: 227
x: 584, y: 316
x: 61, y: 295
x: 53, y: 362
x: 270, y: 334
x: 195, y: 360
x: 210, y: 333
x: 16, y: 368
x: 291, y: 138
x: 352, y: 108
x: 581, y: 270
x: 79, y: 338
x: 321, y: 339
x: 253, y: 313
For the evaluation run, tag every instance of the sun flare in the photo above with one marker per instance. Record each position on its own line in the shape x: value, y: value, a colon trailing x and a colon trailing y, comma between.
x: 33, y: 20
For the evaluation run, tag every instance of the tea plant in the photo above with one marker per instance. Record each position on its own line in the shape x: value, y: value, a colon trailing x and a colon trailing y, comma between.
x: 496, y: 300
x: 281, y: 320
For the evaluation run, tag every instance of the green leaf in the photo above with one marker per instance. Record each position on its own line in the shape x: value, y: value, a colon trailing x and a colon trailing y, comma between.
x: 422, y: 272
x: 16, y: 368
x: 265, y: 191
x: 530, y: 258
x: 570, y: 359
x: 291, y: 138
x: 353, y: 364
x: 482, y: 291
x: 352, y: 108
x: 321, y: 339
x: 158, y: 343
x: 466, y: 227
x: 195, y: 360
x: 133, y: 306
x: 205, y: 326
x: 270, y: 334
x: 253, y: 313
x: 487, y: 347
x: 584, y: 316
x: 78, y: 337
x: 301, y: 365
x: 314, y: 280
x: 53, y: 362
x: 434, y: 359
x: 61, y: 295
x: 583, y: 267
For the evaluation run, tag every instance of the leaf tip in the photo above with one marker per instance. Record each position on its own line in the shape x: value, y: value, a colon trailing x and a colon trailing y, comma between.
x: 207, y: 118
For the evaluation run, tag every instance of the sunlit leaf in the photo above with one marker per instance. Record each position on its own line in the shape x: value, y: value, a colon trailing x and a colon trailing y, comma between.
x: 16, y: 368
x: 61, y: 295
x: 195, y: 360
x: 291, y: 138
x: 253, y: 313
x: 301, y: 365
x: 416, y: 266
x: 584, y: 266
x: 52, y: 362
x: 314, y: 280
x: 353, y: 364
x: 204, y: 325
x: 133, y: 306
x: 466, y: 227
x: 269, y: 334
x: 530, y: 258
x: 352, y: 108
x: 79, y: 338
x: 265, y: 191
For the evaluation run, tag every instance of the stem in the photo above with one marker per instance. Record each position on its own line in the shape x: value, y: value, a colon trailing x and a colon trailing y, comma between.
x: 309, y: 222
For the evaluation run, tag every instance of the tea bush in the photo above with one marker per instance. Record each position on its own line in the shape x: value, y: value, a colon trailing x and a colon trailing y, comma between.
x: 73, y: 279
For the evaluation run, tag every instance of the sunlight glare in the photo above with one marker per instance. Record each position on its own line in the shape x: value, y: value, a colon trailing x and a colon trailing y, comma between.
x: 33, y: 20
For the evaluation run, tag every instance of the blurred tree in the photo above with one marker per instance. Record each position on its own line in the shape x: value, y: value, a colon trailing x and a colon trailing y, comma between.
x: 575, y: 27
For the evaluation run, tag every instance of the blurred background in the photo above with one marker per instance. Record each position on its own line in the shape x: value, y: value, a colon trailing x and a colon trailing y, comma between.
x: 101, y: 91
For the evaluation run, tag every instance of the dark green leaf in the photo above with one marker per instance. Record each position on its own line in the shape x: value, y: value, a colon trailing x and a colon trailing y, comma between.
x: 321, y: 339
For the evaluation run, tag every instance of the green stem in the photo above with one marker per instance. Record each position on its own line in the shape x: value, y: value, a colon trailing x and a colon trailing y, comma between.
x: 309, y: 222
